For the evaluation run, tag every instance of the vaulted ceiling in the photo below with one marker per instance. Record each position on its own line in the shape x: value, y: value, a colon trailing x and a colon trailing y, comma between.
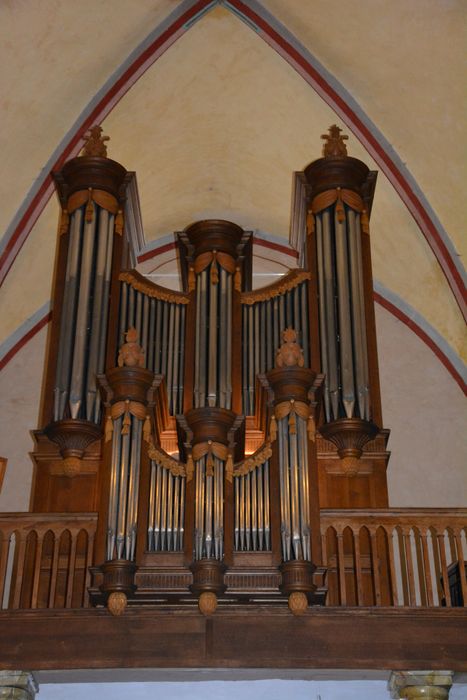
x: 216, y: 104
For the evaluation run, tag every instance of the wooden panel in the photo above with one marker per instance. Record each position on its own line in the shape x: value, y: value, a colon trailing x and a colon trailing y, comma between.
x: 249, y: 637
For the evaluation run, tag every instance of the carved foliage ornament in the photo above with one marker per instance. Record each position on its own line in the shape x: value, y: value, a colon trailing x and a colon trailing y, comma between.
x: 164, y: 460
x: 255, y: 460
x: 291, y: 280
x: 141, y: 284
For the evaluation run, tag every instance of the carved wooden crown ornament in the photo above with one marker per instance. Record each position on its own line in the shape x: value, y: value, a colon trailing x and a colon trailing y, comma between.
x: 334, y: 146
x: 95, y: 143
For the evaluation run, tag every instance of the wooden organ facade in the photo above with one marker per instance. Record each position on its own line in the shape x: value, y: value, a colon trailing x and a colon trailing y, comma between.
x: 221, y: 447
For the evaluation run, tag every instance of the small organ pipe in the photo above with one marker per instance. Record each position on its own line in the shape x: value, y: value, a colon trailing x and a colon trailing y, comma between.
x: 202, y: 333
x: 323, y: 315
x: 157, y: 521
x: 152, y: 507
x: 267, y: 521
x: 332, y: 376
x: 174, y: 380
x: 294, y: 493
x: 345, y: 330
x: 114, y: 488
x: 77, y: 378
x: 68, y: 313
x: 152, y: 326
x: 260, y: 508
x: 170, y: 354
x: 357, y: 301
x: 304, y: 488
x: 122, y: 500
x: 254, y: 523
x: 164, y: 510
x: 361, y: 294
x: 170, y: 499
x: 97, y: 303
x: 228, y: 369
x: 223, y: 340
x: 176, y: 512
x: 145, y: 329
x: 164, y: 343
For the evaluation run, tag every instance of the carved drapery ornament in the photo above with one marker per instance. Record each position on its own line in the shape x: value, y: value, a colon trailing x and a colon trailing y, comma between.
x: 215, y: 257
x: 89, y: 197
x: 127, y: 408
x: 341, y: 196
x: 292, y: 408
x: 216, y: 449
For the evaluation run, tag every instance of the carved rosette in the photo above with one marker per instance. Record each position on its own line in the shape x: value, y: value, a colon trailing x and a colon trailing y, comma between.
x: 349, y: 435
x: 73, y: 437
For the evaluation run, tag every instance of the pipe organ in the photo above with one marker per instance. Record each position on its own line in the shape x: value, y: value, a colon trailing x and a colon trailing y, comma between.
x: 208, y: 426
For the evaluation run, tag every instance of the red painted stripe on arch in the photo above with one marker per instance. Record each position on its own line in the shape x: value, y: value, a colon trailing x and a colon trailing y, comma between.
x: 410, y: 323
x: 25, y: 339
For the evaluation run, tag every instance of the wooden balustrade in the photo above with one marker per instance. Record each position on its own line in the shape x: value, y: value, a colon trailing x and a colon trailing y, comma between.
x: 400, y: 557
x: 45, y: 559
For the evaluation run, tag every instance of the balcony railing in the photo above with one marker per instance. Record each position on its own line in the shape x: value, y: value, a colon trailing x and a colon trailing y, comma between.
x: 45, y: 559
x: 397, y: 557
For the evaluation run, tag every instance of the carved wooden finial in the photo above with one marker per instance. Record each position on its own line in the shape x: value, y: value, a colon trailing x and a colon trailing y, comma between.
x: 117, y: 603
x: 334, y: 146
x: 290, y: 354
x: 131, y: 353
x: 207, y: 603
x: 95, y: 142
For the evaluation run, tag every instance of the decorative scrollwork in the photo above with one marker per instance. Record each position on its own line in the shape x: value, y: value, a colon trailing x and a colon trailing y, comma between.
x: 291, y: 280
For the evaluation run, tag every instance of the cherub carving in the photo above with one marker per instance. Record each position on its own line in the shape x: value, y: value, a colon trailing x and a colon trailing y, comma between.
x: 131, y: 354
x: 290, y: 353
